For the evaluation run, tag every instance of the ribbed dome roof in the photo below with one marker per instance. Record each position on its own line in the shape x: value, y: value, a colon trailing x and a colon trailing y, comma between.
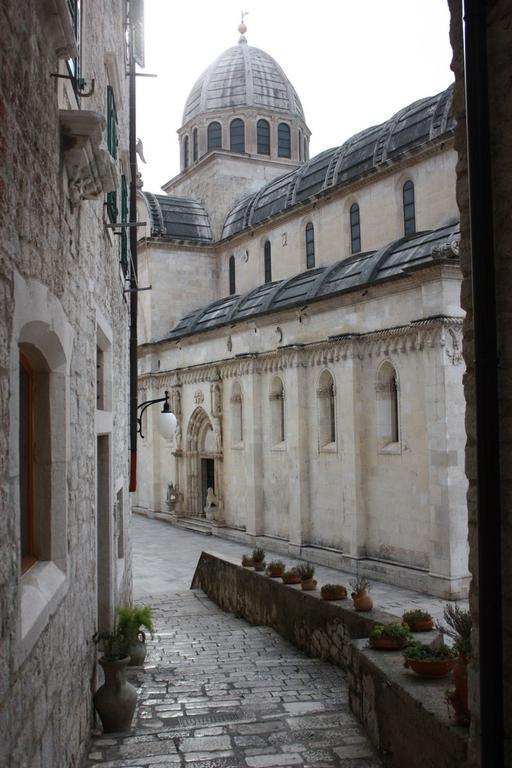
x: 243, y: 76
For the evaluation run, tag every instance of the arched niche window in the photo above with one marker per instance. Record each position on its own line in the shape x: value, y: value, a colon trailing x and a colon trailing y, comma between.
x: 214, y: 136
x: 387, y: 407
x: 263, y: 137
x: 185, y: 152
x: 267, y: 257
x: 237, y: 415
x: 195, y: 151
x: 283, y: 140
x: 409, y: 208
x: 310, y: 246
x: 300, y: 144
x: 326, y: 410
x: 277, y: 412
x: 232, y: 276
x: 237, y: 135
x: 355, y: 229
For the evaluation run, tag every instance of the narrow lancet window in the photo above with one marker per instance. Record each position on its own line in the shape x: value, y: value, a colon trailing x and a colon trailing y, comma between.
x: 310, y: 246
x: 267, y: 252
x: 355, y: 229
x: 409, y: 208
x: 263, y: 137
x: 232, y: 275
x: 237, y: 136
x: 214, y: 136
x: 283, y: 140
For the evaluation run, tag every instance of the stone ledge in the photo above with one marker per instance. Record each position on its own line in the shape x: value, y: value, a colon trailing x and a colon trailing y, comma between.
x: 405, y: 716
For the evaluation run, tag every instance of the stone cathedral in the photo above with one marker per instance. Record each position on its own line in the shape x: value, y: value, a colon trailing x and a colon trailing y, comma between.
x: 305, y: 319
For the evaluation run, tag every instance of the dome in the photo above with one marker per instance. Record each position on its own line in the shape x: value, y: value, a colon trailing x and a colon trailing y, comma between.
x: 243, y: 76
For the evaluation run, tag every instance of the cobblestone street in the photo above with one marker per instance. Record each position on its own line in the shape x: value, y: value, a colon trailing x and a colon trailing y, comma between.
x: 217, y: 693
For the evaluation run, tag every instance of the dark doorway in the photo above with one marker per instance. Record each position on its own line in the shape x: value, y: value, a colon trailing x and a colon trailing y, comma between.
x: 207, y: 478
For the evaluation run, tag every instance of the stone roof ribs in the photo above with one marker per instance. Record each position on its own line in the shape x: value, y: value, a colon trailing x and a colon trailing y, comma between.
x: 393, y: 261
x: 412, y: 128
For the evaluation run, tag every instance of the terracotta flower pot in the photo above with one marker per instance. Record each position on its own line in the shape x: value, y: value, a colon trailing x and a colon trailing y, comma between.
x: 308, y: 584
x: 333, y: 596
x: 277, y: 574
x: 247, y: 562
x: 115, y: 700
x: 388, y: 643
x: 291, y: 580
x: 362, y: 601
x: 421, y: 625
x: 431, y: 668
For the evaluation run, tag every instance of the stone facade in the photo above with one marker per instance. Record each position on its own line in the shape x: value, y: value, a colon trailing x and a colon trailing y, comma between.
x: 63, y: 308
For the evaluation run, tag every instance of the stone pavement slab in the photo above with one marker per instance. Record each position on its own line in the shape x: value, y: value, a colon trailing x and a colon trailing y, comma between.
x: 215, y: 692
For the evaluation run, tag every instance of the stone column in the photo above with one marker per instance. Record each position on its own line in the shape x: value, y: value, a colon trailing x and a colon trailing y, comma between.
x: 297, y: 411
x: 253, y: 438
x: 448, y: 556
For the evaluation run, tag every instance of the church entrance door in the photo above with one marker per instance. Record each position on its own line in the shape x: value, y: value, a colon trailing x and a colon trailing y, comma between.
x: 207, y: 476
x: 202, y: 465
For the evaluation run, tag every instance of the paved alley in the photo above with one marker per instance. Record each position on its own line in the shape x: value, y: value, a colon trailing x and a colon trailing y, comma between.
x: 218, y: 693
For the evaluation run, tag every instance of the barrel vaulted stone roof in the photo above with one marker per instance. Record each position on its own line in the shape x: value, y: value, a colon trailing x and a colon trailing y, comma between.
x: 417, y: 125
x: 393, y: 261
x: 176, y: 218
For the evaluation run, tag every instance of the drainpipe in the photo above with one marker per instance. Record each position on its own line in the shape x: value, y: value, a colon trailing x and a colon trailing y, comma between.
x: 134, y: 265
x: 490, y: 621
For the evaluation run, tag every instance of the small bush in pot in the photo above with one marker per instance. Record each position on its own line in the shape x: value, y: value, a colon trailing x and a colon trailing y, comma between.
x: 130, y: 620
x: 361, y: 599
x: 389, y: 637
x: 418, y: 620
x: 258, y: 556
x: 291, y: 576
x: 333, y: 592
x: 306, y: 572
x: 275, y: 569
x: 430, y: 661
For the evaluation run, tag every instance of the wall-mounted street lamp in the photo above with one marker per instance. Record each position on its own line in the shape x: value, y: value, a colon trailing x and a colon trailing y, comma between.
x: 166, y: 419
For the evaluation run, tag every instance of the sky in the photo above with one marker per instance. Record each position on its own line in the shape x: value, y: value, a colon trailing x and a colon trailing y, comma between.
x: 353, y: 64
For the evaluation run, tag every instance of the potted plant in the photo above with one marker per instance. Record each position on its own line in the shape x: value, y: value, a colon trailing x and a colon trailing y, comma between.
x: 115, y: 700
x: 333, y: 592
x: 258, y: 556
x: 361, y: 598
x: 275, y: 569
x: 247, y: 561
x: 436, y: 660
x: 306, y: 572
x: 130, y: 619
x: 389, y: 637
x: 458, y: 628
x: 418, y: 620
x: 291, y: 577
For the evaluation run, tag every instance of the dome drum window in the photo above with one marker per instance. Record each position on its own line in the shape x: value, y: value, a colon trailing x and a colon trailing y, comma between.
x: 237, y: 136
x: 283, y: 140
x: 214, y: 136
x: 263, y: 137
x: 195, y: 152
x: 185, y: 153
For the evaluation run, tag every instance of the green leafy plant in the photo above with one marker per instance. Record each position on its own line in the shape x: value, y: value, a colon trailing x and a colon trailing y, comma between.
x: 290, y: 574
x: 305, y: 570
x: 276, y: 566
x: 410, y: 617
x: 424, y: 652
x: 114, y: 645
x: 130, y: 618
x: 258, y: 555
x: 359, y: 585
x: 458, y: 627
x: 392, y: 631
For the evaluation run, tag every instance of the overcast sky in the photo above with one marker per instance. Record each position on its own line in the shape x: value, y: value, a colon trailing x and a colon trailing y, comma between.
x: 353, y: 64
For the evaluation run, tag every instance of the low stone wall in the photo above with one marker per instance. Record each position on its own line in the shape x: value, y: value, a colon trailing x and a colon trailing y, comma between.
x: 405, y: 716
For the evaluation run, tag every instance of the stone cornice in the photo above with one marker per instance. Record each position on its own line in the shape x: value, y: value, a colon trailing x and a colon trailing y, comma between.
x: 441, y: 332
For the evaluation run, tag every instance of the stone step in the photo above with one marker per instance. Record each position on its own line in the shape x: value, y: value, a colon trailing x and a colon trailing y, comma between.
x: 194, y: 524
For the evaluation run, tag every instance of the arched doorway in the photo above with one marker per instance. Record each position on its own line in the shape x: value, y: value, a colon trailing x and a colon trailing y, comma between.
x: 203, y: 462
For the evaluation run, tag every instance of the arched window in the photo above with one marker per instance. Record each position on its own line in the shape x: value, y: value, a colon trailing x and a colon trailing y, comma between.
x: 237, y: 419
x: 355, y: 229
x: 232, y: 277
x: 327, y: 410
x: 263, y: 137
x: 194, y: 145
x: 387, y: 406
x: 214, y: 136
x: 283, y: 140
x: 277, y: 411
x: 185, y: 152
x: 300, y: 144
x: 237, y: 135
x: 310, y: 246
x: 409, y: 211
x: 267, y: 255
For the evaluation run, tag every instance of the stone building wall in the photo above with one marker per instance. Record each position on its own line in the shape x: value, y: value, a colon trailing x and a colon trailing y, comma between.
x: 61, y: 297
x: 498, y: 23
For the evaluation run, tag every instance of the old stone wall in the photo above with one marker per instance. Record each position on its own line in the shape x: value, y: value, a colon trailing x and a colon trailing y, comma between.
x: 61, y: 297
